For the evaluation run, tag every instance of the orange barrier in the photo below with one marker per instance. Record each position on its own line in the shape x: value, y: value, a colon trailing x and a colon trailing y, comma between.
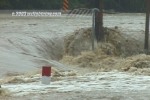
x: 65, y: 5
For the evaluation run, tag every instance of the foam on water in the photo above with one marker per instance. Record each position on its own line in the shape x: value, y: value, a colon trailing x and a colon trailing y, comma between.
x: 28, y: 44
x: 112, y: 81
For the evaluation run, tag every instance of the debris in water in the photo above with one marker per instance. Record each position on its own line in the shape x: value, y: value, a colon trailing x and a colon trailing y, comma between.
x: 4, y: 92
x: 115, y: 53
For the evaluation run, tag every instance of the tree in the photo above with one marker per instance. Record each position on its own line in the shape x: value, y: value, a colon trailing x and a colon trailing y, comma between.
x: 118, y: 5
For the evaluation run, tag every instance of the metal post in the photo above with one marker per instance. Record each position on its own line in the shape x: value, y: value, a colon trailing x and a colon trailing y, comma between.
x: 146, y: 45
x: 93, y: 34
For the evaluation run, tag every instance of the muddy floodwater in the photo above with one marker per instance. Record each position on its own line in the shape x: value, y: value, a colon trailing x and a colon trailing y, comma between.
x: 28, y: 43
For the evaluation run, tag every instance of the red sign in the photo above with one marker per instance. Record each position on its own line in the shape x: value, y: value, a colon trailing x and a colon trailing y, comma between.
x: 46, y: 71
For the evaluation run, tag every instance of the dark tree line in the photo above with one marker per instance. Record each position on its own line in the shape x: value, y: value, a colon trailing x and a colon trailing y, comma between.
x: 117, y: 5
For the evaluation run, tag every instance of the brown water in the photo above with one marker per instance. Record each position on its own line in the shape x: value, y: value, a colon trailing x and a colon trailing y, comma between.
x: 26, y: 44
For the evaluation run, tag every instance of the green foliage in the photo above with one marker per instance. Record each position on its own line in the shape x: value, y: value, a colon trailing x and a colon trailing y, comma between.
x: 4, y: 4
x: 118, y: 5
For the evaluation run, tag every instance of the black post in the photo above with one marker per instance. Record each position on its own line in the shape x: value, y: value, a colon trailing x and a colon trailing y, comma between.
x: 99, y: 21
x: 146, y: 45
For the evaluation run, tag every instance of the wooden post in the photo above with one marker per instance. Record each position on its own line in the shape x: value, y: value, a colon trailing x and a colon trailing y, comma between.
x: 99, y: 21
x: 146, y: 45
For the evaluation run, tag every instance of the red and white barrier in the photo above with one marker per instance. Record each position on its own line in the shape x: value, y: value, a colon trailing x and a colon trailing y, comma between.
x: 46, y: 75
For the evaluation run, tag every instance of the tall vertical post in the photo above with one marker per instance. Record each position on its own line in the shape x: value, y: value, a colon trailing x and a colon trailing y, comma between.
x: 65, y: 5
x: 99, y: 21
x: 146, y: 45
x: 93, y: 35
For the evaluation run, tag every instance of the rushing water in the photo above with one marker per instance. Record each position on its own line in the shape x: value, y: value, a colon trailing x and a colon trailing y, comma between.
x: 26, y: 44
